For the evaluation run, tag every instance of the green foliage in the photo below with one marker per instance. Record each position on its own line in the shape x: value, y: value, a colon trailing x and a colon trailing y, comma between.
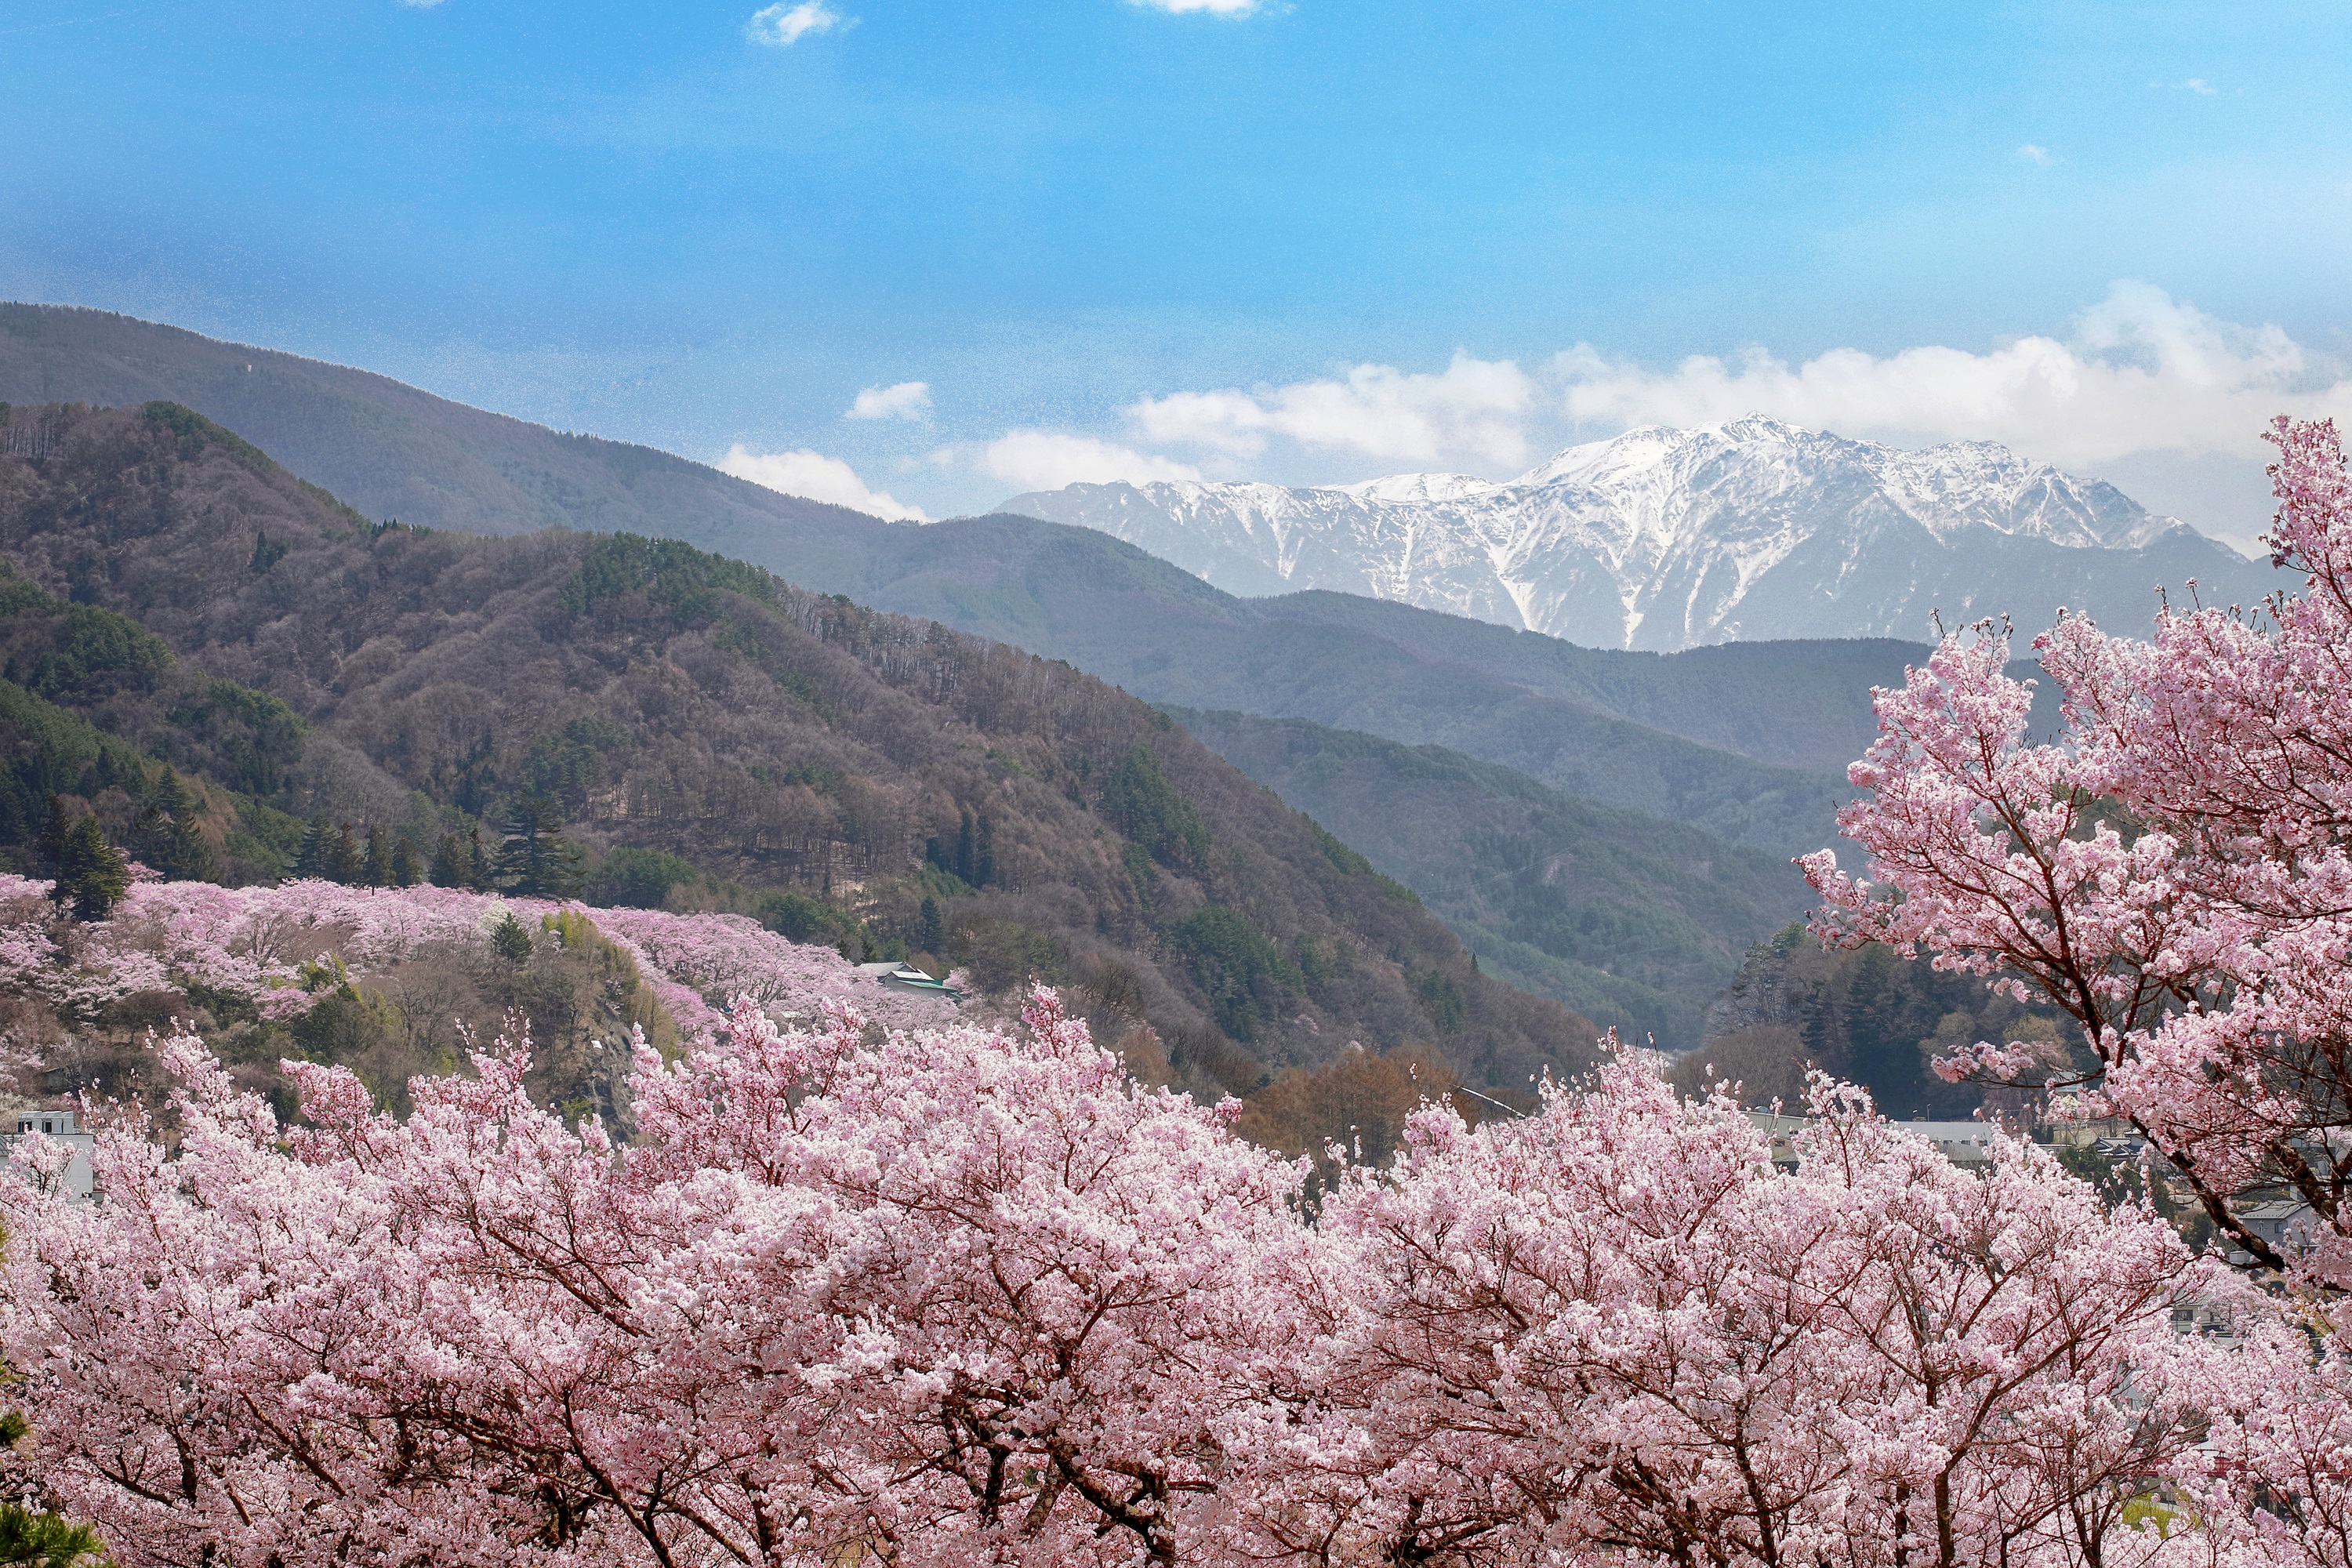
x: 91, y: 875
x: 257, y: 736
x: 1442, y: 997
x: 45, y: 1540
x: 680, y: 579
x: 462, y: 860
x: 509, y: 940
x: 565, y: 765
x: 1136, y: 862
x: 930, y: 933
x: 1338, y: 854
x: 1868, y: 1016
x: 1002, y: 953
x: 638, y: 878
x: 1147, y: 809
x: 266, y: 552
x: 93, y: 654
x: 536, y: 860
x: 1247, y: 978
x: 165, y: 838
x: 196, y: 431
x: 49, y: 751
x: 803, y: 919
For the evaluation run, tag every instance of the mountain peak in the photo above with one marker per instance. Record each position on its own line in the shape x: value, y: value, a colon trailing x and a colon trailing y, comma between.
x: 1665, y: 537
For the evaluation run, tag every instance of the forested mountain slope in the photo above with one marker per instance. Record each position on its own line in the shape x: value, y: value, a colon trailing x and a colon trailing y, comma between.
x: 774, y: 740
x: 1128, y: 618
x: 1680, y: 736
x: 1635, y: 922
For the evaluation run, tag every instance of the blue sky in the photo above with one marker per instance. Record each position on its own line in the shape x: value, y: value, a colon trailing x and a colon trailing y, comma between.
x: 1307, y: 241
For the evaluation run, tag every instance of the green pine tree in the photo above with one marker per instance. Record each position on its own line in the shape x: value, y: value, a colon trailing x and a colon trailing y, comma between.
x: 930, y: 933
x: 452, y: 868
x: 510, y: 941
x: 166, y: 836
x: 345, y: 862
x: 92, y: 874
x: 482, y: 867
x: 54, y: 829
x: 312, y: 860
x: 375, y: 864
x: 536, y: 860
x: 405, y: 873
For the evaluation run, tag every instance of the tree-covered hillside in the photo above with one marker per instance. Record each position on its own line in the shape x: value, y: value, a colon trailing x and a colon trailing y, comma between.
x: 1636, y: 922
x: 707, y: 735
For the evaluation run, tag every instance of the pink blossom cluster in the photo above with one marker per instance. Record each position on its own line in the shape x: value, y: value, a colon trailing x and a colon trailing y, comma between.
x: 962, y: 1297
x: 2174, y: 870
x: 266, y: 945
x: 728, y: 956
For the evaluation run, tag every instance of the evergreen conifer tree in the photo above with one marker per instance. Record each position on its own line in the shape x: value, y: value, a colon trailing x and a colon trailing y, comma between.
x: 92, y: 875
x: 451, y: 865
x: 52, y: 842
x: 403, y: 862
x: 375, y: 864
x: 345, y: 862
x: 510, y: 941
x: 536, y: 860
x: 316, y: 857
x: 930, y: 932
x: 166, y: 836
x: 482, y: 871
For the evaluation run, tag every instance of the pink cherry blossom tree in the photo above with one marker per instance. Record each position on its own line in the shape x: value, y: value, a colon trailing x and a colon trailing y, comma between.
x: 949, y: 1297
x: 1615, y: 1329
x: 2172, y: 872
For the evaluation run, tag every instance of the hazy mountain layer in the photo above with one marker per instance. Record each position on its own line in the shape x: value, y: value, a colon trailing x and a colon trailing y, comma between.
x: 1663, y: 538
x: 394, y: 451
x: 1635, y: 922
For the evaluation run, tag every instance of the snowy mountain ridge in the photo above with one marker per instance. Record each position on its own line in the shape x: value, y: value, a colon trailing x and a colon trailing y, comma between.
x: 1665, y: 538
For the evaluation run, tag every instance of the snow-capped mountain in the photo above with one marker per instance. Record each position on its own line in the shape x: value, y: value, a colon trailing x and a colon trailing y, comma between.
x: 1665, y: 538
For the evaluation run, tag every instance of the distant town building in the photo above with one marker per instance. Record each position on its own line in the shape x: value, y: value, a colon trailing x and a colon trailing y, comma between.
x: 906, y: 977
x: 81, y: 1180
x: 1967, y: 1145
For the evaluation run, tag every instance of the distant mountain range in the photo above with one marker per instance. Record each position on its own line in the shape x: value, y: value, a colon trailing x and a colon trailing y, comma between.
x: 1670, y: 771
x: 1663, y: 538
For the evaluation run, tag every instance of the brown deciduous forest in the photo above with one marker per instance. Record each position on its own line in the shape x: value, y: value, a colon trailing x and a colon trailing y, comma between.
x: 363, y: 699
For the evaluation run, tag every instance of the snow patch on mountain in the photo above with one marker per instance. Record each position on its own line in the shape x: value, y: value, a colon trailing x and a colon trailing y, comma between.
x: 1664, y: 538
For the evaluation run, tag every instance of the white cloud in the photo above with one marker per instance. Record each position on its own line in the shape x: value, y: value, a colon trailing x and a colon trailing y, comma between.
x: 1048, y: 459
x: 781, y: 25
x: 815, y: 476
x: 1211, y: 8
x: 906, y: 400
x: 2200, y: 86
x: 2141, y: 372
x: 1474, y: 406
x: 2034, y: 155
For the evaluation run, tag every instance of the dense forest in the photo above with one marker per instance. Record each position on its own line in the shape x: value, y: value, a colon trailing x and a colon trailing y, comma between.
x: 637, y: 722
